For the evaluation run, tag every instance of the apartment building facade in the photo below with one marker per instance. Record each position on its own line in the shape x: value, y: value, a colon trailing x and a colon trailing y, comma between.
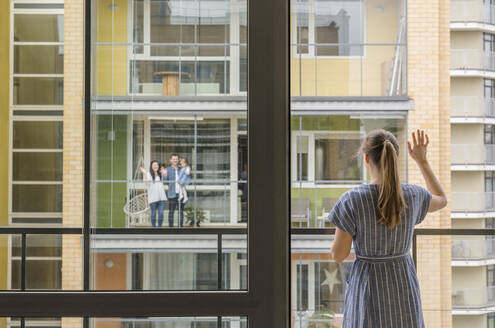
x: 472, y: 76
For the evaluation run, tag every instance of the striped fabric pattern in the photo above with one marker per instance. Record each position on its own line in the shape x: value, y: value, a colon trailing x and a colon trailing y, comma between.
x: 382, y: 288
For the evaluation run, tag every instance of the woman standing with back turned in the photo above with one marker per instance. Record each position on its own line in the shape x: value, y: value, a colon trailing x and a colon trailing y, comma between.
x: 383, y: 289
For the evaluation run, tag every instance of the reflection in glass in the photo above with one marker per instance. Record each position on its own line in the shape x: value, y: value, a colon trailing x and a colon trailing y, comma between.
x: 193, y: 78
x: 35, y: 134
x: 338, y: 22
x: 37, y: 166
x: 138, y: 26
x: 38, y: 91
x: 318, y: 289
x: 43, y: 261
x: 170, y: 322
x: 335, y: 158
x: 325, y: 160
x: 38, y: 59
x: 38, y: 28
x: 36, y: 198
x: 205, y: 142
x: 168, y: 262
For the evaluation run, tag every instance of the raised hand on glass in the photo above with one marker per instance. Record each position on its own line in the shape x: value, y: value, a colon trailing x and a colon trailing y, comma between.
x: 418, y: 148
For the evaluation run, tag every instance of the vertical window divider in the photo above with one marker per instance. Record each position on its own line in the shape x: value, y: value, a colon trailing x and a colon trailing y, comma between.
x: 23, y: 261
x: 87, y: 143
x: 219, y: 261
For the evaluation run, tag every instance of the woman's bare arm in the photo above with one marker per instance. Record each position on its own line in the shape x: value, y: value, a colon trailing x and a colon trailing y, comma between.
x: 418, y: 152
x: 341, y: 246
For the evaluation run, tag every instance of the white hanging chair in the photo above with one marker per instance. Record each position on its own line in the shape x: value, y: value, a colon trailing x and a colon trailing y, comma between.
x: 137, y: 209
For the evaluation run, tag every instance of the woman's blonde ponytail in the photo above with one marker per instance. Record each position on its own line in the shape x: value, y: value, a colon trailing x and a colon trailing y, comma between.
x: 383, y: 149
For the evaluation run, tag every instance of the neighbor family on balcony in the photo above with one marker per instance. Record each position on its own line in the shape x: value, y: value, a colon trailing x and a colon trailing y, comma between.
x: 177, y: 176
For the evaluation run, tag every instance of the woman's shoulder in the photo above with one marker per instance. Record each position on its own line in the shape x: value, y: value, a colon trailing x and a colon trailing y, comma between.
x: 412, y: 187
x: 358, y: 191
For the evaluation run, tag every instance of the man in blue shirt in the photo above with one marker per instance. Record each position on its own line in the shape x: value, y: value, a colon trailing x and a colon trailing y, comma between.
x: 171, y: 174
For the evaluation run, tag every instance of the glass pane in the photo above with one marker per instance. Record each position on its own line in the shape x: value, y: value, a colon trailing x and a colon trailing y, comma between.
x: 6, y: 270
x: 39, y: 322
x: 138, y: 26
x: 36, y: 134
x: 38, y: 59
x: 38, y: 91
x: 171, y: 322
x: 185, y: 262
x: 332, y: 52
x: 334, y: 158
x: 38, y: 28
x: 185, y: 78
x: 384, y: 71
x: 191, y: 22
x: 330, y: 58
x: 36, y: 198
x: 325, y: 163
x: 167, y: 150
x: 44, y: 257
x: 318, y: 283
x: 37, y: 166
x: 338, y: 22
x: 234, y: 262
x: 44, y: 245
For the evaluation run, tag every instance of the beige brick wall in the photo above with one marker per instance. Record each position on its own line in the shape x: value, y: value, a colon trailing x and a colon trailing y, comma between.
x: 73, y: 156
x: 429, y: 86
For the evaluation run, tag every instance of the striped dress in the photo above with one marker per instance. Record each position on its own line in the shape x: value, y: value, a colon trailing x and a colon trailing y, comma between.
x: 382, y: 288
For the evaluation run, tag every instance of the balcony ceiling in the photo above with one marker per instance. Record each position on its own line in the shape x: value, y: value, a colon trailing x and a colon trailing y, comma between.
x: 238, y: 104
x: 196, y: 243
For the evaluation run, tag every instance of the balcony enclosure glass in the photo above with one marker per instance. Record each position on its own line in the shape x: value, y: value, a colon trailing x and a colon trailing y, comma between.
x: 170, y: 77
x: 339, y: 48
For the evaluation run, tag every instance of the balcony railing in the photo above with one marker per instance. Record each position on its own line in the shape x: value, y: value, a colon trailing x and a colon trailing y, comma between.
x: 472, y: 11
x: 474, y: 249
x: 473, y: 297
x: 472, y: 201
x: 472, y: 154
x: 472, y: 106
x: 473, y: 59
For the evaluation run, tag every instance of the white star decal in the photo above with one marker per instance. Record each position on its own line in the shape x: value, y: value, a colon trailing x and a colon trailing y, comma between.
x: 331, y: 279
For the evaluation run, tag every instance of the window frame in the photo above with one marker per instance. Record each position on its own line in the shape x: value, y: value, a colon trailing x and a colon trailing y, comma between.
x: 233, y: 45
x: 30, y: 112
x: 266, y: 303
x: 26, y: 11
x: 12, y: 150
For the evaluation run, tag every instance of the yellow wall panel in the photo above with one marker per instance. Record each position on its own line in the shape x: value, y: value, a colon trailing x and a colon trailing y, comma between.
x: 4, y: 138
x: 111, y: 60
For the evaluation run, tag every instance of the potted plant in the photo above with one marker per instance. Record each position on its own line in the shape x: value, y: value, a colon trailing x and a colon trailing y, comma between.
x: 189, y: 215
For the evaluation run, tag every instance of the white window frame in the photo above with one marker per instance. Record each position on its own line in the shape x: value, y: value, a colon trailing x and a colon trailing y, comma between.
x: 233, y: 45
x: 39, y: 1
x: 12, y: 150
x: 34, y: 11
x: 311, y: 182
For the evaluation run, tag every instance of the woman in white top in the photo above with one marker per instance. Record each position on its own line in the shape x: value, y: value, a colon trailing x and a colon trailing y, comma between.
x: 156, y: 192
